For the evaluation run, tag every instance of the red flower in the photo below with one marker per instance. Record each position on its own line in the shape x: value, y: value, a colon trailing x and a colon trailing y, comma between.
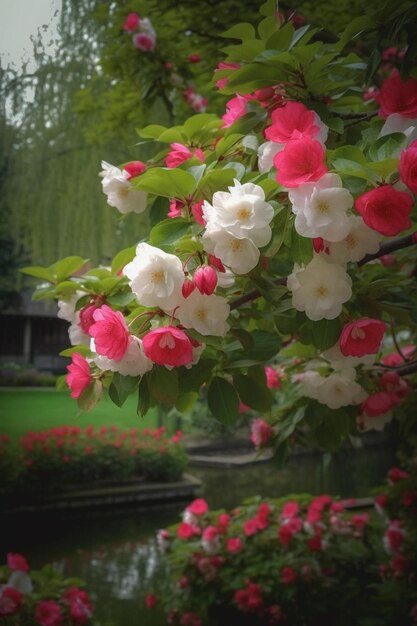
x: 194, y: 58
x: 385, y: 210
x: 361, y: 337
x: 86, y: 317
x: 301, y: 161
x: 288, y: 575
x: 180, y: 153
x: 10, y: 601
x: 272, y: 378
x: 168, y: 345
x: 251, y: 527
x: 198, y: 507
x: 261, y: 432
x: 131, y: 22
x: 48, y: 613
x: 79, y: 376
x: 408, y: 167
x: 285, y: 535
x: 379, y: 403
x: 150, y: 600
x: 186, y: 531
x: 398, y: 96
x: 396, y: 474
x: 409, y: 497
x: 17, y: 562
x: 234, y: 545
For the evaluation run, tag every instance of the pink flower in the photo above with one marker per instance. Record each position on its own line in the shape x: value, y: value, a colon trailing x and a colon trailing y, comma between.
x: 249, y: 599
x: 408, y: 167
x: 134, y: 168
x: 385, y: 210
x: 361, y: 337
x: 251, y: 526
x: 291, y: 121
x: 197, y: 211
x: 301, y: 161
x: 222, y: 82
x: 315, y: 543
x: 261, y: 433
x: 398, y: 96
x: 131, y: 22
x: 223, y: 522
x: 194, y: 58
x: 48, y: 613
x: 168, y: 345
x: 79, y: 603
x: 186, y: 531
x: 188, y: 287
x: 288, y: 575
x: 205, y: 278
x: 394, y: 536
x: 392, y: 383
x: 79, y: 376
x: 175, y: 208
x: 210, y: 534
x: 10, y: 601
x: 180, y: 153
x: 393, y: 359
x: 144, y: 42
x: 86, y: 317
x: 234, y: 545
x: 379, y: 403
x: 272, y: 378
x: 110, y: 333
x: 409, y: 497
x: 17, y: 562
x: 198, y: 507
x: 290, y: 509
x: 285, y: 535
x: 150, y: 600
x: 235, y: 108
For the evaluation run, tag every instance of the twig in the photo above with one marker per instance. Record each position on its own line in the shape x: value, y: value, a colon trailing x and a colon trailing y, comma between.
x: 253, y: 295
x: 394, y: 338
x: 390, y: 246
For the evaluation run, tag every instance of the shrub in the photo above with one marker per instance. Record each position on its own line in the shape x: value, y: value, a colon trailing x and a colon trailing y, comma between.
x: 41, y: 597
x: 68, y: 456
x: 305, y: 561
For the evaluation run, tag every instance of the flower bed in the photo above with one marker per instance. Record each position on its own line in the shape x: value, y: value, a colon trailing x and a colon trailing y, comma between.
x: 41, y: 597
x: 304, y: 561
x: 69, y: 456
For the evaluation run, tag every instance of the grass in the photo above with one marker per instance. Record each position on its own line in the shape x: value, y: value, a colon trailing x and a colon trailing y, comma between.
x: 38, y: 409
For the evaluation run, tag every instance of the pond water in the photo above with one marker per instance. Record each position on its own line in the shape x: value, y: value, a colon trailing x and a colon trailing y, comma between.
x: 115, y: 551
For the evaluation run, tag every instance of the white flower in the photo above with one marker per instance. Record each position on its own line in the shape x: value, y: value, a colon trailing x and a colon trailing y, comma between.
x: 119, y: 190
x: 321, y: 208
x: 320, y: 289
x: 241, y: 212
x: 133, y: 363
x: 145, y: 26
x: 75, y: 333
x: 376, y: 422
x: 340, y: 389
x: 225, y: 279
x: 266, y: 154
x: 66, y: 308
x: 310, y: 382
x: 20, y: 581
x: 359, y: 241
x: 397, y: 123
x: 241, y: 255
x: 155, y: 277
x: 206, y: 314
x: 323, y: 132
x: 339, y: 361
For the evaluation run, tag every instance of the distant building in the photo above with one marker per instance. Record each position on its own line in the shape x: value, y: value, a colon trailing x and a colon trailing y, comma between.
x: 32, y: 333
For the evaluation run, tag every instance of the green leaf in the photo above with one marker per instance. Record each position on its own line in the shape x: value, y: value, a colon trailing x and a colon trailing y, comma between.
x: 265, y: 346
x: 153, y: 131
x: 216, y: 180
x: 301, y: 248
x: 121, y: 387
x: 322, y: 334
x: 163, y: 385
x: 240, y: 31
x: 200, y: 122
x: 223, y: 401
x: 192, y: 379
x: 243, y: 337
x: 144, y: 396
x: 81, y: 349
x: 352, y: 168
x: 279, y: 228
x: 168, y: 232
x: 166, y: 182
x: 36, y: 271
x: 186, y: 402
x: 267, y: 27
x: 90, y: 396
x: 268, y: 8
x: 66, y: 267
x: 353, y: 30
x: 121, y: 299
x: 159, y: 210
x: 253, y: 393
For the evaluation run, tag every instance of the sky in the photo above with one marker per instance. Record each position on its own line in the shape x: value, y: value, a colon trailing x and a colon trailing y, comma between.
x: 19, y: 19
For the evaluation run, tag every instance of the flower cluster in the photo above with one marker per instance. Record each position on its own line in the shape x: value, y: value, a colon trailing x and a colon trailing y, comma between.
x: 268, y: 227
x: 287, y: 561
x: 41, y: 597
x: 67, y: 456
x: 142, y: 31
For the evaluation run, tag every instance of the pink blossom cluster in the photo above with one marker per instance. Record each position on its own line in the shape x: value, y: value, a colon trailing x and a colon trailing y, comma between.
x: 74, y: 604
x: 142, y: 31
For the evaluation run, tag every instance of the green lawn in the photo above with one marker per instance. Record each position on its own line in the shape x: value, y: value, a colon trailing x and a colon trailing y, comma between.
x: 37, y: 409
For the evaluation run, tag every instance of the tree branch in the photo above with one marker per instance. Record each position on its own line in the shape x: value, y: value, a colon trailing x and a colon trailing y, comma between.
x: 253, y: 295
x: 407, y: 368
x: 390, y: 246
